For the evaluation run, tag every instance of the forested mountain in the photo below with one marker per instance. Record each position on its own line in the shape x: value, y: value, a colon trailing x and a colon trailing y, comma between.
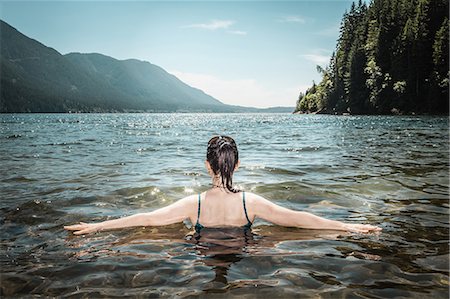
x: 39, y: 79
x: 36, y: 78
x: 391, y: 57
x: 146, y: 84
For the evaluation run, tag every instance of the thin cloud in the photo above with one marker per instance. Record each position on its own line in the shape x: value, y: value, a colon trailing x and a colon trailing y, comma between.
x: 317, y: 58
x: 237, y: 32
x: 292, y: 19
x: 212, y: 25
x: 320, y: 57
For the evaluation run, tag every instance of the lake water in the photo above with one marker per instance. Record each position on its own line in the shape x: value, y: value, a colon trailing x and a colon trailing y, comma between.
x: 58, y: 169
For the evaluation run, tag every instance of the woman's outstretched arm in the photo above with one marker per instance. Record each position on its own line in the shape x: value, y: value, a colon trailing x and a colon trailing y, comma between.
x: 174, y: 213
x: 279, y: 215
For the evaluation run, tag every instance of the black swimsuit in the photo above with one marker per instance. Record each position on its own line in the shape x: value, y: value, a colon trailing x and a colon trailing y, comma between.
x: 198, y: 226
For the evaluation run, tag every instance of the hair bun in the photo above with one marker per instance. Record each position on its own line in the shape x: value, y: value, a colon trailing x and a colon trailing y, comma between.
x: 222, y: 144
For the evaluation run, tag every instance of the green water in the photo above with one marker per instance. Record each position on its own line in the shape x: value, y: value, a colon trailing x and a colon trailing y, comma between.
x: 58, y: 169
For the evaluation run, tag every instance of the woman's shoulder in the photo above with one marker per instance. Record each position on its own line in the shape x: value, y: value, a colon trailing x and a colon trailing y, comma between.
x: 190, y: 199
x: 253, y: 198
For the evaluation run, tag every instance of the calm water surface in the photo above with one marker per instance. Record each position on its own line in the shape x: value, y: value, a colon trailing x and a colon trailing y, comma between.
x: 58, y: 169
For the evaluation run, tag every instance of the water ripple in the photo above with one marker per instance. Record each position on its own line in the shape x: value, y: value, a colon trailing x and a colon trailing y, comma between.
x: 60, y: 168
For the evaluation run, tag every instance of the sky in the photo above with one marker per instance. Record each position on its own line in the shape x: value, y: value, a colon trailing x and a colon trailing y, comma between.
x: 248, y: 53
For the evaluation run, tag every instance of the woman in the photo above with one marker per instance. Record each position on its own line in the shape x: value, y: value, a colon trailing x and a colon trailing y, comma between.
x: 223, y: 205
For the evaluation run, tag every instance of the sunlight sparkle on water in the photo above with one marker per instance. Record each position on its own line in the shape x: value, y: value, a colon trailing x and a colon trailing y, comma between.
x: 353, y: 169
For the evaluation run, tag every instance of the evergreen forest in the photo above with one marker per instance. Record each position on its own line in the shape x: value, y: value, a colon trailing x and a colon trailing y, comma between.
x: 391, y: 57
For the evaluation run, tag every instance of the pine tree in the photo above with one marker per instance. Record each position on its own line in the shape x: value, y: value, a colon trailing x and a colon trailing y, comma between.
x: 390, y: 56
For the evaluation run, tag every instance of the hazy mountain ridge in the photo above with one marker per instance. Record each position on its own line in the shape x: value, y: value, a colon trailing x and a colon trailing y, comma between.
x: 37, y: 78
x: 144, y: 82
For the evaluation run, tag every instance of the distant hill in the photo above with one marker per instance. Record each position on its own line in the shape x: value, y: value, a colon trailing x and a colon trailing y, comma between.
x: 148, y: 86
x: 36, y: 78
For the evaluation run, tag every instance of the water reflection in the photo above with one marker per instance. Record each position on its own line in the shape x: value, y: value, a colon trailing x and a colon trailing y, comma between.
x: 218, y: 249
x: 221, y: 248
x: 59, y: 169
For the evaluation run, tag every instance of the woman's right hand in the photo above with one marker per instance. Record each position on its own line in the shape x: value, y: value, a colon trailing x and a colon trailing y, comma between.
x: 361, y: 228
x: 84, y: 228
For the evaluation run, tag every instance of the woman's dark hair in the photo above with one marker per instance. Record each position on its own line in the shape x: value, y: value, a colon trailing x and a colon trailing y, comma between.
x: 222, y: 155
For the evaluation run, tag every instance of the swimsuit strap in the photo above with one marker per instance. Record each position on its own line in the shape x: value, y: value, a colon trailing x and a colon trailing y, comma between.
x: 198, y: 212
x: 245, y: 209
